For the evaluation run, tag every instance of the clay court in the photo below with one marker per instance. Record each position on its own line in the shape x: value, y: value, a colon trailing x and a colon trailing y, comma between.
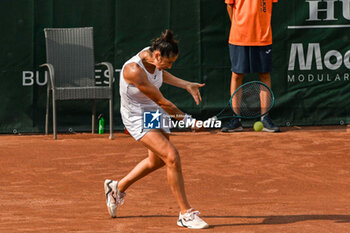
x: 295, y: 181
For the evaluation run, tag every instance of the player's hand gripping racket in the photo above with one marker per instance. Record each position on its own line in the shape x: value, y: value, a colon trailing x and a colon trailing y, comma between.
x: 251, y: 100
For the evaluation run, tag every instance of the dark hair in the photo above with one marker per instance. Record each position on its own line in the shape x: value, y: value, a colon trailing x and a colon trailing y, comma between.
x: 165, y: 44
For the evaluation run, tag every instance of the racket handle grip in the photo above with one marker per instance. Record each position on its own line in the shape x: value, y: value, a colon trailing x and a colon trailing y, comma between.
x: 214, y: 118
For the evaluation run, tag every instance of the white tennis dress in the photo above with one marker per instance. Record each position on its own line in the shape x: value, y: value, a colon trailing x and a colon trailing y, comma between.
x: 134, y: 102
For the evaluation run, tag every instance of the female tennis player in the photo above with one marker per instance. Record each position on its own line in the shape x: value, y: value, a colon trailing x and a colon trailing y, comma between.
x: 140, y: 80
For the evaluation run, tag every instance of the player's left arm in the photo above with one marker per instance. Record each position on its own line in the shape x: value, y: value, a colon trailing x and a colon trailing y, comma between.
x: 191, y: 87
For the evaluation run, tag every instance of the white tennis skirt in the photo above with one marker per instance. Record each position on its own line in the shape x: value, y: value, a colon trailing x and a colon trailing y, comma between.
x: 134, y: 122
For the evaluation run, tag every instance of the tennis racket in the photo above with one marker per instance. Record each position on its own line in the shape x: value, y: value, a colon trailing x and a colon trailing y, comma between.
x: 251, y: 100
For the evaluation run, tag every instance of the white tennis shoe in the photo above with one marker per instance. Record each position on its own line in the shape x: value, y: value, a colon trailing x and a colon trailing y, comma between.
x: 191, y: 220
x: 113, y: 197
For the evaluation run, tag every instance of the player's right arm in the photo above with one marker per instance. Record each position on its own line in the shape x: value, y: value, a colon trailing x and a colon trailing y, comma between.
x: 135, y: 75
x: 229, y: 6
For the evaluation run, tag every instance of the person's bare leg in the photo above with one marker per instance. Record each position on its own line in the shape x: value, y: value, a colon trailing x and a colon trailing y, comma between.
x: 142, y: 169
x: 265, y: 78
x: 160, y: 144
x: 236, y: 81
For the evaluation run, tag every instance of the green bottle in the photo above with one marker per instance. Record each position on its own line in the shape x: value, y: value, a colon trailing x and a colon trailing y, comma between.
x: 101, y: 124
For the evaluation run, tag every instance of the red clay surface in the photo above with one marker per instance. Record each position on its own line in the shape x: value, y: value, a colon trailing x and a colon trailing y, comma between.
x: 295, y: 181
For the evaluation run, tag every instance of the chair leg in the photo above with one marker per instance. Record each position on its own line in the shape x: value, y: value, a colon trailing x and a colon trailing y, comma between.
x: 93, y: 117
x: 111, y: 119
x: 54, y: 116
x: 47, y: 112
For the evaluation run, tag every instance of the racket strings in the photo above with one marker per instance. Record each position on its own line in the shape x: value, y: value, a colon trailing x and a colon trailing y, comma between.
x: 252, y: 100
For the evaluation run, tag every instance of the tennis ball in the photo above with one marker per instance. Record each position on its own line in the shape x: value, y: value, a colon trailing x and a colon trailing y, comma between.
x: 258, y: 126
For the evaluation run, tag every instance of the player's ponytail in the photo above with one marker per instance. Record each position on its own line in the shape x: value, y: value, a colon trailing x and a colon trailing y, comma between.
x: 166, y: 44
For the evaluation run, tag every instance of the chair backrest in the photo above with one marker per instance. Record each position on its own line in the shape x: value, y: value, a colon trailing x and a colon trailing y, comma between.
x: 70, y: 51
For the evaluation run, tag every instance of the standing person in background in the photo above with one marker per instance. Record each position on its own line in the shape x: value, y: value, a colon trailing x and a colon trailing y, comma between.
x: 250, y: 47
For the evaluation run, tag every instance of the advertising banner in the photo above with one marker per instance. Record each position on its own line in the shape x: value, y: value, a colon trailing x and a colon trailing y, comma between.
x: 312, y: 54
x: 311, y: 57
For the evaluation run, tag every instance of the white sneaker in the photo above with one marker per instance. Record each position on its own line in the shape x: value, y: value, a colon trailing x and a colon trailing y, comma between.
x: 191, y: 220
x: 113, y: 197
